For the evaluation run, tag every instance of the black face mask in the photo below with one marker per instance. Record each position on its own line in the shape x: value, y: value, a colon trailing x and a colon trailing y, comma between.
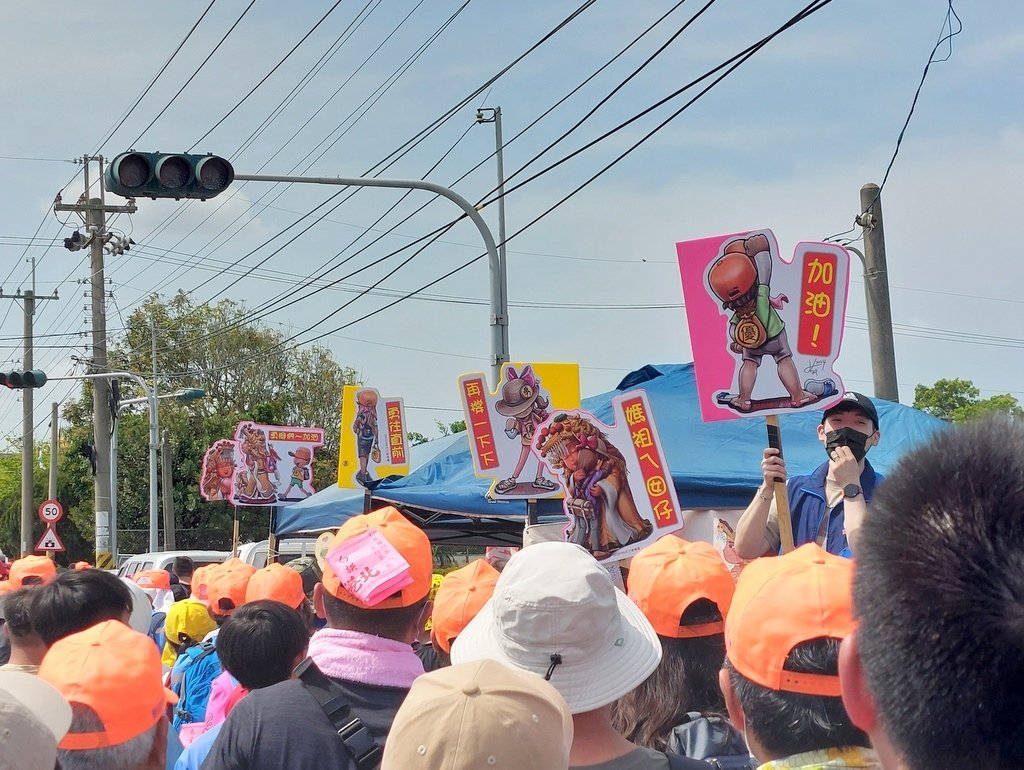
x: 848, y: 437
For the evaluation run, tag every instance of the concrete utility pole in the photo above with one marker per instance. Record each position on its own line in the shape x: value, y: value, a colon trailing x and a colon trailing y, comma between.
x: 95, y: 221
x: 499, y: 147
x: 28, y: 509
x: 168, y: 486
x: 876, y: 289
x: 54, y: 440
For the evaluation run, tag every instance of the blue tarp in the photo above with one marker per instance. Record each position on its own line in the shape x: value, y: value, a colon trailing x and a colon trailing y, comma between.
x: 714, y: 465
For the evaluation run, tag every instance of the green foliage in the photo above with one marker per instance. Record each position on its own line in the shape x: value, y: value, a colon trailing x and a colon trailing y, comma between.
x: 247, y: 373
x: 958, y: 401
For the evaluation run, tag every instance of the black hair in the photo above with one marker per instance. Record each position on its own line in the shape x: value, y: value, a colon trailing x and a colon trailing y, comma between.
x: 18, y: 612
x: 787, y: 723
x: 259, y: 644
x: 939, y: 593
x: 76, y: 601
x: 183, y: 566
x: 685, y: 680
x: 392, y: 623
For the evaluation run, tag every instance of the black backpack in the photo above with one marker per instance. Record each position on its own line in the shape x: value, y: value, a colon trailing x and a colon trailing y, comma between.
x: 712, y: 740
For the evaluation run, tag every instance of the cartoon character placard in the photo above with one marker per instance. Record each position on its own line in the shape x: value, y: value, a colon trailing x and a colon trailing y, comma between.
x: 374, y: 440
x: 503, y: 423
x: 619, y: 495
x: 765, y: 332
x: 263, y: 475
x: 216, y: 480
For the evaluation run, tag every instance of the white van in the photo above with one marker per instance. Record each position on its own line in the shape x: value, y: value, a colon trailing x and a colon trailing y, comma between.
x: 287, y: 549
x: 164, y: 560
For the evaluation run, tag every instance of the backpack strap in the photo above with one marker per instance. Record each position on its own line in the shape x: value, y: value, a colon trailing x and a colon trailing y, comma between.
x: 354, y: 735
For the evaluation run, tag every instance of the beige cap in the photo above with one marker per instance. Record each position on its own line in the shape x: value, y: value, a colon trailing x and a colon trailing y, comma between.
x: 33, y: 717
x: 480, y: 715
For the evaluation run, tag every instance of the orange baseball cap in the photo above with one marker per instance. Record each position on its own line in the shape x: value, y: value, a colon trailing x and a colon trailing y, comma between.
x: 459, y: 598
x: 781, y: 601
x: 114, y: 671
x: 200, y: 577
x: 276, y: 582
x: 37, y: 569
x: 225, y: 588
x: 408, y: 539
x: 669, y: 575
x: 159, y: 579
x: 80, y: 565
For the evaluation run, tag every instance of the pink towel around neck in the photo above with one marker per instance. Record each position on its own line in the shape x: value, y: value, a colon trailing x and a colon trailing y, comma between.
x: 364, y: 658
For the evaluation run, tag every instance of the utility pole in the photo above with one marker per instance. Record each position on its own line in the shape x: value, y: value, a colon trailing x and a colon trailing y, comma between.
x: 499, y: 148
x: 95, y: 212
x: 28, y: 509
x: 154, y: 501
x: 876, y: 289
x: 168, y: 485
x: 54, y: 439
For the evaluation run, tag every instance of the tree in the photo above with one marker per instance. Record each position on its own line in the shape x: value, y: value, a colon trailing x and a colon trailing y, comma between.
x: 958, y: 401
x: 248, y: 373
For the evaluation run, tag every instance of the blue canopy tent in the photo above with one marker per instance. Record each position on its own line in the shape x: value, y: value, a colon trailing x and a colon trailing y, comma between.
x: 713, y: 465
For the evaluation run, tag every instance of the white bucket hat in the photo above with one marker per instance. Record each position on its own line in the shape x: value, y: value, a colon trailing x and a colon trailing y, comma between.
x: 34, y: 717
x: 556, y: 613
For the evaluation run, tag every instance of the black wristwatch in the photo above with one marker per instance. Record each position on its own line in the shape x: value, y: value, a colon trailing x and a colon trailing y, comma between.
x: 851, y: 491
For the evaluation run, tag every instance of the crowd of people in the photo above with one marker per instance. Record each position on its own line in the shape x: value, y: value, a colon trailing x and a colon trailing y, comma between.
x: 898, y: 647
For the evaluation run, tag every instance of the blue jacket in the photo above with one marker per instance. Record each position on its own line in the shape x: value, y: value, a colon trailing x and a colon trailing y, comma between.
x: 808, y: 506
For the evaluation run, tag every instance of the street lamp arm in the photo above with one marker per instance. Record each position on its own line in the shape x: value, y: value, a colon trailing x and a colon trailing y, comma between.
x: 499, y: 313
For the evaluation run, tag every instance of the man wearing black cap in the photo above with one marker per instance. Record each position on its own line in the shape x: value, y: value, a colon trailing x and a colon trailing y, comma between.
x: 828, y: 505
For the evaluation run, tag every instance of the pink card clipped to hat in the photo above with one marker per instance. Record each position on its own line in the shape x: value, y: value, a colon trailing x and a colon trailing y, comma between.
x: 369, y: 567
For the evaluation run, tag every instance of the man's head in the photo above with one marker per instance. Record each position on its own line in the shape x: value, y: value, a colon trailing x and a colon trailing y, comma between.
x: 459, y: 598
x: 934, y: 671
x: 479, y: 714
x: 77, y: 600
x: 399, y: 616
x: 33, y: 717
x: 111, y: 676
x: 32, y: 570
x: 183, y: 567
x: 782, y: 638
x: 17, y: 613
x: 852, y: 422
x: 262, y: 642
x: 555, y: 612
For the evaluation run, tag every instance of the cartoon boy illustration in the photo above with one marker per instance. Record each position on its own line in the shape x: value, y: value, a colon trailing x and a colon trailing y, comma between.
x: 522, y: 402
x: 741, y: 279
x: 365, y: 428
x: 301, y: 473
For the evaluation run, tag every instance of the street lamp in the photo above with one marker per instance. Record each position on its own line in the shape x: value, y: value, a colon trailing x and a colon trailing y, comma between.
x: 185, y: 395
x: 181, y: 175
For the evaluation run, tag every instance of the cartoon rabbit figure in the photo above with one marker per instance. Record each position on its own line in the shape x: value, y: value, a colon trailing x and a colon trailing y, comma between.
x: 526, y: 407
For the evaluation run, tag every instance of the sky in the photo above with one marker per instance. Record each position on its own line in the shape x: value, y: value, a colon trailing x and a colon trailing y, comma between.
x: 785, y: 142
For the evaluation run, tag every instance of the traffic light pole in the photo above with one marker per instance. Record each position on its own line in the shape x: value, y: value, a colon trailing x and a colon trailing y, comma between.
x: 499, y: 315
x: 28, y: 510
x: 95, y: 220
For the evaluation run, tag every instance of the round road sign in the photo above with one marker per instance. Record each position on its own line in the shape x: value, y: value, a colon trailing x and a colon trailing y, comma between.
x: 51, y: 511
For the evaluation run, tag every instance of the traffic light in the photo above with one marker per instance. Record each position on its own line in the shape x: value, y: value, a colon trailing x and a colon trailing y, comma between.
x: 168, y: 175
x: 31, y: 378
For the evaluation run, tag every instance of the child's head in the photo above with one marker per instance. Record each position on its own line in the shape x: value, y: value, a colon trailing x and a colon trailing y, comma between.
x: 262, y: 642
x: 587, y: 460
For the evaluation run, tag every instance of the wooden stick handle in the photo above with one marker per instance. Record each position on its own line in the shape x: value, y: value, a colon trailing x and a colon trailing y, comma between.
x: 781, y: 497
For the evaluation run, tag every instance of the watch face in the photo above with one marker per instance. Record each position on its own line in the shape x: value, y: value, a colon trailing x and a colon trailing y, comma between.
x: 851, y: 490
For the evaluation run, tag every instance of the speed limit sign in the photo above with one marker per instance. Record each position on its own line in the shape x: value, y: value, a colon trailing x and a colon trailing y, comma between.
x: 51, y: 511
